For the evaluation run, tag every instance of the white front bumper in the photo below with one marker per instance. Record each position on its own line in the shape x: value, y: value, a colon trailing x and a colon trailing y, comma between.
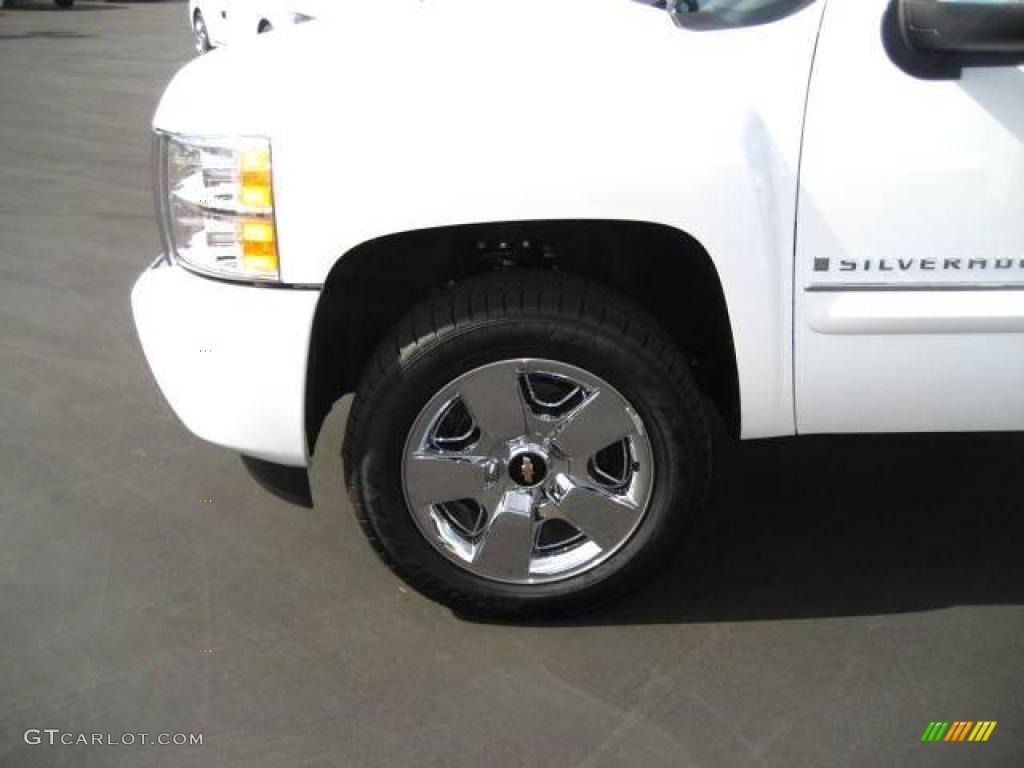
x: 230, y: 359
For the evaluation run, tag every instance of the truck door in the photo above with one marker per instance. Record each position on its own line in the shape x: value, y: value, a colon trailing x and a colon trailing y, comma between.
x: 909, y: 274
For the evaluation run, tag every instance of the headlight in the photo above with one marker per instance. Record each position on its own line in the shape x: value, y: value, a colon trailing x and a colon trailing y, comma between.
x: 217, y: 205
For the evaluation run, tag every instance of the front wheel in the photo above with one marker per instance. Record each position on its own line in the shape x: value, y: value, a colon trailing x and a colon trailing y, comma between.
x: 526, y: 444
x: 200, y: 34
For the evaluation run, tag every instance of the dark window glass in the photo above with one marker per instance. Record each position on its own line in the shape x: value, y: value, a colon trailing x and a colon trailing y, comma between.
x: 726, y: 14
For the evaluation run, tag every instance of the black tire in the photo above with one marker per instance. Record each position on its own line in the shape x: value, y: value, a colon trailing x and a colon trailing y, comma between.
x: 64, y: 3
x: 200, y: 34
x: 510, y: 315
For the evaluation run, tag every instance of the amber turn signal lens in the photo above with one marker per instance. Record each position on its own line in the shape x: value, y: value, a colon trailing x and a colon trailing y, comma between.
x: 257, y: 192
x: 259, y: 246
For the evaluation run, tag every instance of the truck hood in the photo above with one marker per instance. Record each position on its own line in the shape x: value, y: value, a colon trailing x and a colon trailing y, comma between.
x: 365, y: 54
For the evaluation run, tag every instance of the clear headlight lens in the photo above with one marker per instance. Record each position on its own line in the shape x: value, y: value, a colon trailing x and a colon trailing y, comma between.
x: 219, y: 206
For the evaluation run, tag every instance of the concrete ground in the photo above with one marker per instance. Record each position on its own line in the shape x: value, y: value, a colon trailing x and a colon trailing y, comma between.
x: 842, y: 594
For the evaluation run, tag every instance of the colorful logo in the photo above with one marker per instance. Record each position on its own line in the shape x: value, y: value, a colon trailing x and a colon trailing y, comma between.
x: 960, y: 730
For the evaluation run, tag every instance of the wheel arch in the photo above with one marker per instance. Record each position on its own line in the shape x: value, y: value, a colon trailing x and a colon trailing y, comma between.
x: 663, y: 269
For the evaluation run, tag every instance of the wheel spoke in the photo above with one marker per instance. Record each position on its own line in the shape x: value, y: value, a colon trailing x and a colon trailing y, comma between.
x: 436, y: 478
x: 507, y: 546
x: 600, y: 421
x: 605, y: 518
x: 495, y: 401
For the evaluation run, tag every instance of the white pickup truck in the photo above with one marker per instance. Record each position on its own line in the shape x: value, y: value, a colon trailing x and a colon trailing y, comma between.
x: 541, y: 240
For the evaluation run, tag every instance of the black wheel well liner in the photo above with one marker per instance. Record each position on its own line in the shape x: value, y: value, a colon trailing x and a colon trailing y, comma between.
x: 662, y: 269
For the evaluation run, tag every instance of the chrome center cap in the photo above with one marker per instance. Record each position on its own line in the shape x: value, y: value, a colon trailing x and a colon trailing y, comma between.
x: 528, y: 469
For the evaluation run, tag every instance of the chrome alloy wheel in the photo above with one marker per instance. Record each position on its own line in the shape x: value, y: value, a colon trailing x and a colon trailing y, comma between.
x: 528, y: 471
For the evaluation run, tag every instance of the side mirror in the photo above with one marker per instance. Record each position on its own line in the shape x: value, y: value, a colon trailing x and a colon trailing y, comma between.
x: 963, y: 26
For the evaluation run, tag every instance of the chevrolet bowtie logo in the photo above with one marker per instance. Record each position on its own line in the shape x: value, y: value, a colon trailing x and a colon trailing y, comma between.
x: 527, y: 470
